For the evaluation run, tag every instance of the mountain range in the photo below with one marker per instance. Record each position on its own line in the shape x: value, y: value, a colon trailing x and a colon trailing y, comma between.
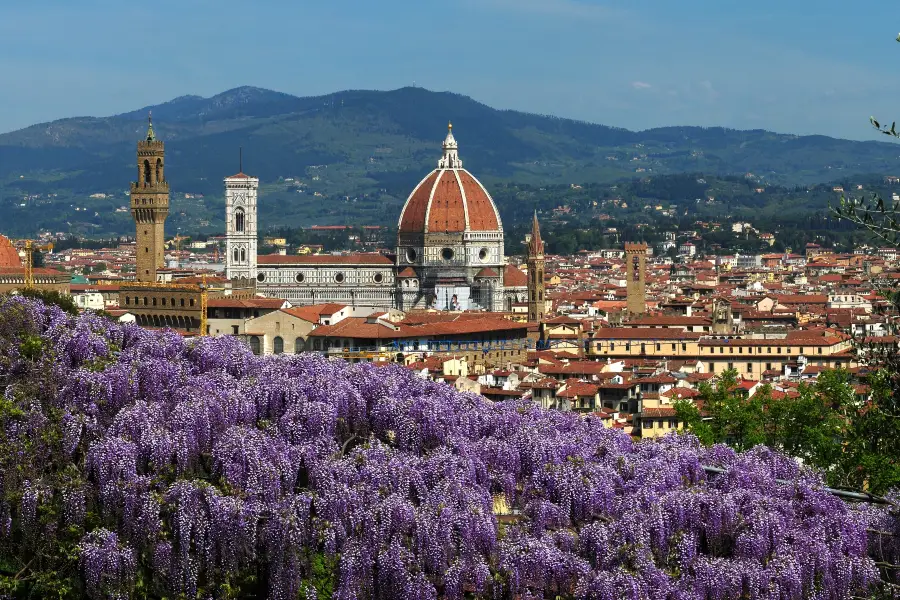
x: 353, y: 156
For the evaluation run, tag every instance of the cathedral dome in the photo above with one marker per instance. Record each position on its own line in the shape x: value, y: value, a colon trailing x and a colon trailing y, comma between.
x: 9, y: 257
x: 449, y: 200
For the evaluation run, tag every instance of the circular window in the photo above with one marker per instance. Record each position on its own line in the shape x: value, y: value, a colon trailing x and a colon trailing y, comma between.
x: 447, y: 254
x: 300, y: 277
x: 483, y: 254
x: 410, y: 255
x: 378, y: 277
x: 261, y: 277
x: 339, y: 277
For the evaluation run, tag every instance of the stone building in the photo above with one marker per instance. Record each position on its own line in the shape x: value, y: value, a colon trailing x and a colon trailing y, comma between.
x: 449, y: 253
x: 535, y: 259
x: 636, y: 272
x: 150, y: 206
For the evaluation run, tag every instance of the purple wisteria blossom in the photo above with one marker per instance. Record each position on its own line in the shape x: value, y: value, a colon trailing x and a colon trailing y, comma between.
x: 192, y: 467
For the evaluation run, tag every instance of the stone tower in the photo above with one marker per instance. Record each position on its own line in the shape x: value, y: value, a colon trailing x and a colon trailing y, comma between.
x: 150, y: 206
x: 535, y: 261
x: 635, y: 273
x: 240, y: 230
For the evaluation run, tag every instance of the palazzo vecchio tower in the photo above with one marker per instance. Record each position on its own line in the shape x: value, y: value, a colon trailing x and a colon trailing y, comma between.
x: 150, y: 206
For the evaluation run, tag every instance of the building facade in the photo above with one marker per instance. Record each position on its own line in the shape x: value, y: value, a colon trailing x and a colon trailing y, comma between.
x: 449, y: 252
x: 150, y: 206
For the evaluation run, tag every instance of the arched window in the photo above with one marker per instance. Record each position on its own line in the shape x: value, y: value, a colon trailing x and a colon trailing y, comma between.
x: 239, y: 219
x: 237, y: 255
x: 299, y: 345
x: 159, y: 170
x: 146, y: 172
x: 254, y: 345
x: 278, y: 345
x: 243, y: 255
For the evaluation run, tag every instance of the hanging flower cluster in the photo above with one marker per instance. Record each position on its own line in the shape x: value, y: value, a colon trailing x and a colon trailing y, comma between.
x: 193, y: 466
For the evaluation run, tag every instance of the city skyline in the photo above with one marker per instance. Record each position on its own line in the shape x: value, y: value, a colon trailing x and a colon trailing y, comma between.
x: 761, y: 66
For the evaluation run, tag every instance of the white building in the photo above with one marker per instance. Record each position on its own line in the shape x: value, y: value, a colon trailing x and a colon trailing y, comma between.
x: 687, y: 249
x: 449, y: 252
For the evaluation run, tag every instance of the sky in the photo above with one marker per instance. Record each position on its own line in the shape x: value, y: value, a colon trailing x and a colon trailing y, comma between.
x: 792, y: 66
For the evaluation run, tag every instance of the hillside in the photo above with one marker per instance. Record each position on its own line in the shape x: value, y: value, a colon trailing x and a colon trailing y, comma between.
x: 353, y: 156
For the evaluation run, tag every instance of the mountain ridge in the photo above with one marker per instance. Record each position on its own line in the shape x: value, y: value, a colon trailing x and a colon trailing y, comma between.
x: 373, y: 146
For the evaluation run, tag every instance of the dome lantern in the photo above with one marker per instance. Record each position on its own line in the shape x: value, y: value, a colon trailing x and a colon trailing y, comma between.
x: 450, y: 159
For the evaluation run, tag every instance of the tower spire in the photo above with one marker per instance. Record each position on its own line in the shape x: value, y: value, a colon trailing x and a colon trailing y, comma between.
x: 150, y: 135
x: 536, y: 241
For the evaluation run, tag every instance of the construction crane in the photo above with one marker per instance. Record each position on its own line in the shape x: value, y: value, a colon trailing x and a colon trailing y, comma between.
x: 30, y: 247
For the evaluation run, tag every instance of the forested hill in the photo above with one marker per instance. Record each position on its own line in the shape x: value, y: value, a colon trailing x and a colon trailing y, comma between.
x: 367, y: 149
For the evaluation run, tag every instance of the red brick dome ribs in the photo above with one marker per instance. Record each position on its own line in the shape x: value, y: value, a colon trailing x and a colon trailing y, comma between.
x: 449, y: 199
x: 9, y: 257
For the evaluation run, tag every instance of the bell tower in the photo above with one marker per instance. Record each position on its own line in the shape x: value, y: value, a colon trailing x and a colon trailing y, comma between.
x: 535, y: 261
x: 150, y: 206
x: 240, y: 225
x: 636, y: 282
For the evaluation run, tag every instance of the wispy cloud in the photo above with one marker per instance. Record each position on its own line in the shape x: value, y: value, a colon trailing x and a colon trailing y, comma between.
x: 641, y: 85
x: 575, y: 9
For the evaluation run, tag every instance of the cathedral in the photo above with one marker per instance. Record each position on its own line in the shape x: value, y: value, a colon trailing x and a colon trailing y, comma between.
x: 449, y: 253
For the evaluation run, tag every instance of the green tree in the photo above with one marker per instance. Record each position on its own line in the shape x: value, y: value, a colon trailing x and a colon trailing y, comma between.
x: 63, y: 301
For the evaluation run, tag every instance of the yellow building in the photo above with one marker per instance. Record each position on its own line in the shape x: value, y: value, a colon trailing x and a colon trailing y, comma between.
x: 751, y: 358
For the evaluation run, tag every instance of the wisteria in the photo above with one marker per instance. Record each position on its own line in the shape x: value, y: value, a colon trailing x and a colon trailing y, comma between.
x: 194, y: 468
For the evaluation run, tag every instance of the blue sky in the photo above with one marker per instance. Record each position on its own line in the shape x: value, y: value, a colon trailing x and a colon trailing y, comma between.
x: 793, y: 66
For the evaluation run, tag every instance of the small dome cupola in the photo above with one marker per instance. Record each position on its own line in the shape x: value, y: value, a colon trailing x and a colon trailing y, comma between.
x: 450, y: 159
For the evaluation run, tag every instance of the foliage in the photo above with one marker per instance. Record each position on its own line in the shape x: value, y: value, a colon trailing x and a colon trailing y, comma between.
x: 64, y: 301
x: 137, y: 464
x: 855, y: 443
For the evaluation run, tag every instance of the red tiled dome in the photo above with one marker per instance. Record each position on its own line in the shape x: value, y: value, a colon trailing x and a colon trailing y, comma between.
x: 449, y: 199
x: 9, y: 257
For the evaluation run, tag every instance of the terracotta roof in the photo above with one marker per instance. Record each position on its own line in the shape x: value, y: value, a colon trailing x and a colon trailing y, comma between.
x: 312, y: 312
x: 324, y: 259
x: 9, y: 257
x: 240, y: 175
x: 669, y: 320
x: 578, y: 388
x: 359, y: 328
x: 664, y: 411
x: 638, y: 333
x: 271, y: 303
x: 513, y: 277
x: 449, y: 200
x: 407, y: 272
x: 802, y: 299
x: 487, y: 272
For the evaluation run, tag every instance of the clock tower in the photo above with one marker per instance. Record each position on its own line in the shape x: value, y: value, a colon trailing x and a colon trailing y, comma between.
x: 240, y: 230
x: 150, y: 206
